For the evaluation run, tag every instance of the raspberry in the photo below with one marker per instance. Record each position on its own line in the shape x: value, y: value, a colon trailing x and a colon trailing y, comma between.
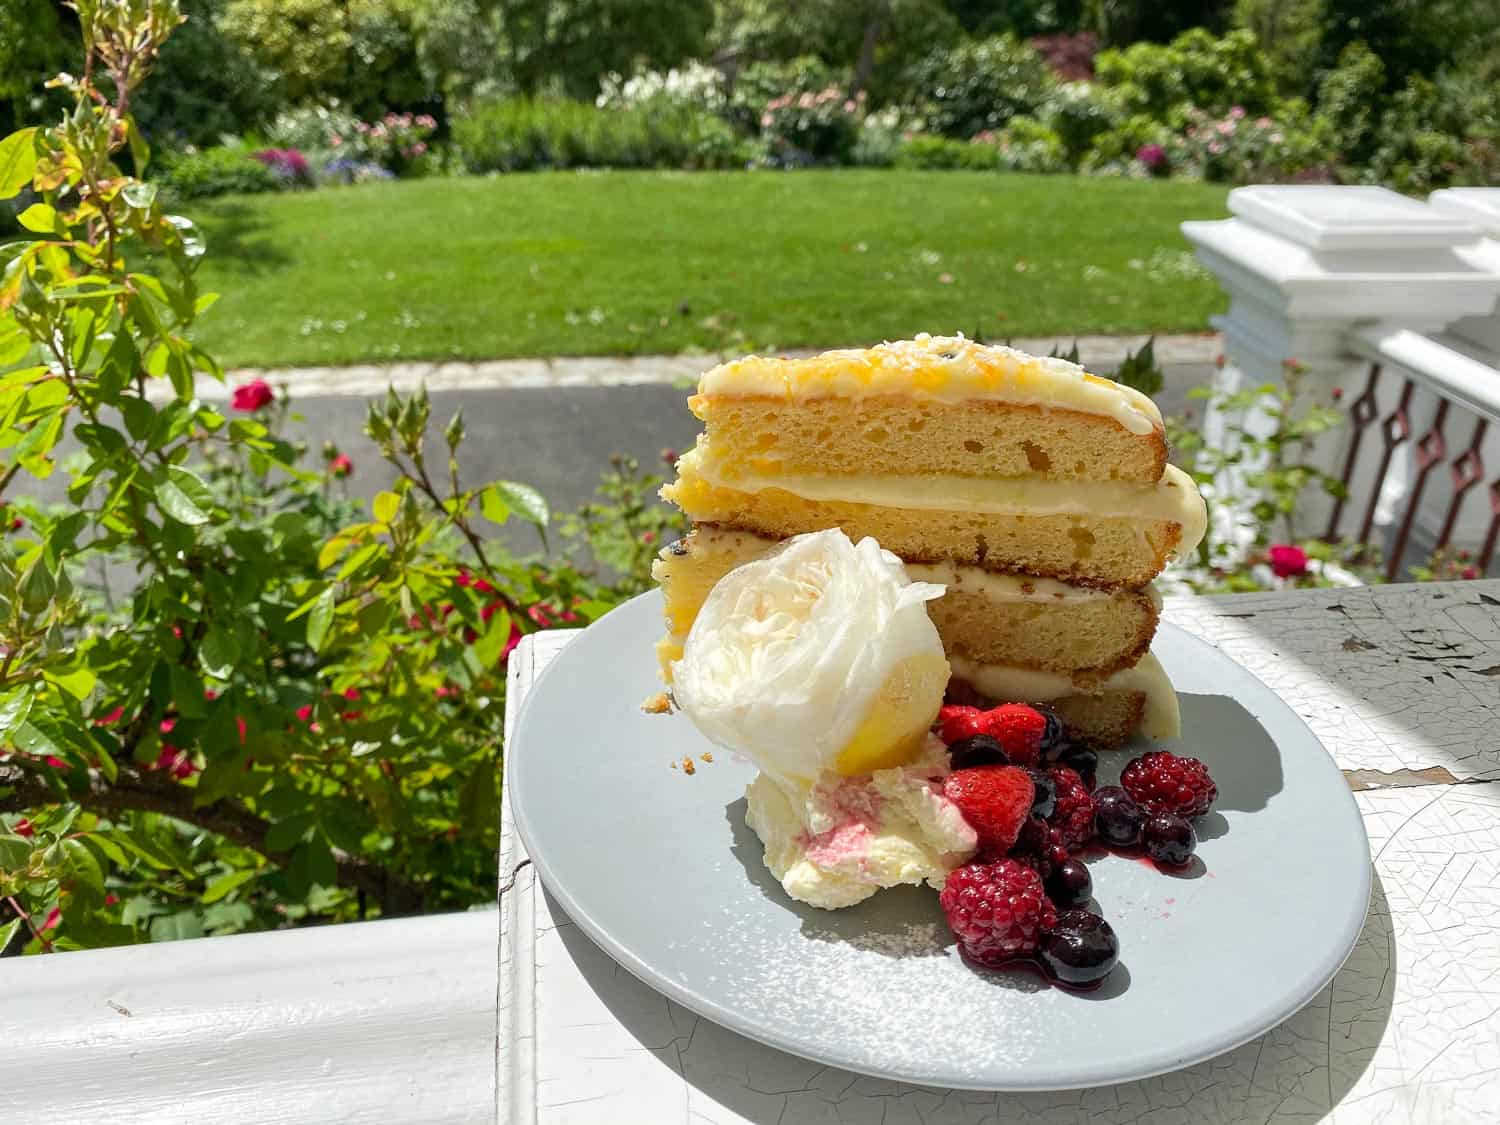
x: 1073, y: 816
x: 997, y: 911
x: 1162, y: 782
x: 1018, y: 728
x: 995, y: 800
x: 957, y: 722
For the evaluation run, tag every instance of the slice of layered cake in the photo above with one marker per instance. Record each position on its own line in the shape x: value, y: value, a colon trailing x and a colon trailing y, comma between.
x: 1039, y: 495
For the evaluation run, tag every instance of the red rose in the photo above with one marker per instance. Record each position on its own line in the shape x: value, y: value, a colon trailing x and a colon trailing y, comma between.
x: 341, y: 466
x: 1287, y: 561
x: 23, y: 827
x: 1470, y: 572
x: 252, y: 396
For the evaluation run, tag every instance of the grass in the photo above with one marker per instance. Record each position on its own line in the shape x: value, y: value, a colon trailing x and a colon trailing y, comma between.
x: 627, y: 263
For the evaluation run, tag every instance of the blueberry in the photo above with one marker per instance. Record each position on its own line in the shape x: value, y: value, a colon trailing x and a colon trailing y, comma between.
x: 1169, y: 839
x: 1052, y: 733
x: 1070, y: 885
x: 1118, y: 820
x: 1081, y: 949
x: 1045, y: 800
x: 1083, y: 760
x: 977, y: 750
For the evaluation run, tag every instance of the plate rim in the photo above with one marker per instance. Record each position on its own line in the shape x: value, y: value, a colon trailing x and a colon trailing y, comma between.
x: 1248, y: 1029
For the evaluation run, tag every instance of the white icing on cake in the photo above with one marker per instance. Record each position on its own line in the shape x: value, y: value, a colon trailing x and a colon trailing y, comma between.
x: 945, y: 368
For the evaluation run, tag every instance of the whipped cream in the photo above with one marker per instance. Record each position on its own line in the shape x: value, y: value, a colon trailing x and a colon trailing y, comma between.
x: 818, y: 656
x: 946, y: 368
x: 835, y: 841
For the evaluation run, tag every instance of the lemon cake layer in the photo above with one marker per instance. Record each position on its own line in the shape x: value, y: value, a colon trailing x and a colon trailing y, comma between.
x: 1136, y: 698
x: 1081, y: 632
x: 1104, y: 550
x: 896, y: 433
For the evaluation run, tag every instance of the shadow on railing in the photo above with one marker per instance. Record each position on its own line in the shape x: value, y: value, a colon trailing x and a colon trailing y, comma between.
x: 1424, y: 383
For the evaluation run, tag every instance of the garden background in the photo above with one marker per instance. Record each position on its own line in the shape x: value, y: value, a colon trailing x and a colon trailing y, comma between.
x: 236, y: 694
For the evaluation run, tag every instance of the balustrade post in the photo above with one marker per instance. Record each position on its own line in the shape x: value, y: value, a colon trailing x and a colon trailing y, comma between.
x: 1303, y: 267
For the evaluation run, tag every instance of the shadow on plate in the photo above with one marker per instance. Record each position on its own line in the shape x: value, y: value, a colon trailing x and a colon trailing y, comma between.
x: 1240, y: 754
x: 1337, y: 1034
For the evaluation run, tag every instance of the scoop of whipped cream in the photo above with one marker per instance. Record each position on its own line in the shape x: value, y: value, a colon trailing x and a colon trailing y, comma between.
x: 819, y: 656
x: 835, y: 842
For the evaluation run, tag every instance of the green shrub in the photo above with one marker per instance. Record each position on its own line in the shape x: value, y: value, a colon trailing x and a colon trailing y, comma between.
x: 812, y: 127
x: 291, y: 712
x: 878, y: 141
x: 206, y: 84
x: 945, y: 153
x: 1194, y: 69
x: 1078, y: 113
x: 211, y: 172
x: 1350, y: 99
x: 1438, y: 133
x: 521, y: 134
x: 1026, y: 145
x: 978, y: 84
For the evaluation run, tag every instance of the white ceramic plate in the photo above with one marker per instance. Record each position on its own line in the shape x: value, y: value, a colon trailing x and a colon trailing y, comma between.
x: 658, y: 868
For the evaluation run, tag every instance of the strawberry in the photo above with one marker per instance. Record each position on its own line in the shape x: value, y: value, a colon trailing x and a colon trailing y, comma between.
x: 995, y: 800
x: 1018, y: 728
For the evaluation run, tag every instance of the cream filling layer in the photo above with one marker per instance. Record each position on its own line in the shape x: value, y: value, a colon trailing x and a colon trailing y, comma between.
x: 1027, y: 685
x: 1174, y: 497
x: 945, y: 368
x: 743, y: 546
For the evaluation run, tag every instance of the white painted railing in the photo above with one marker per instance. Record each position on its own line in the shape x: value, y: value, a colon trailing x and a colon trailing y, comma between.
x: 1389, y: 306
x: 372, y: 1021
x: 1422, y: 464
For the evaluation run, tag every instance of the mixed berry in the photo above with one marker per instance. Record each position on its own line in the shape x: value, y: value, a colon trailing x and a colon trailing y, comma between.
x: 1029, y: 793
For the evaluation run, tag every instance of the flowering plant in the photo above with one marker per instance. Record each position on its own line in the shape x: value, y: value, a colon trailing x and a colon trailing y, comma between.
x: 292, y: 711
x: 398, y: 141
x: 812, y: 126
x: 694, y: 84
x: 286, y: 164
x: 1239, y: 148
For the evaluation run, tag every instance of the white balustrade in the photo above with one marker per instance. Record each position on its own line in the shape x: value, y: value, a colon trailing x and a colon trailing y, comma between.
x: 1338, y: 279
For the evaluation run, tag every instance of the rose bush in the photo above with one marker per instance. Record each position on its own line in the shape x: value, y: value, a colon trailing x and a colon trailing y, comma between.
x: 230, y: 697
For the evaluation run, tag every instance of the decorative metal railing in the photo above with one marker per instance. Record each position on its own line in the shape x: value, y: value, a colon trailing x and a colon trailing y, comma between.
x: 1423, y: 386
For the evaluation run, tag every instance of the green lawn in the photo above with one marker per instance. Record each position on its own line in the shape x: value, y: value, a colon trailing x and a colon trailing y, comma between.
x: 615, y: 262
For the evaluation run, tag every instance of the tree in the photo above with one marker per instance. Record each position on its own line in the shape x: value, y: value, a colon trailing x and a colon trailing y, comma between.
x: 36, y: 39
x: 361, y: 52
x: 1289, y: 33
x: 1408, y: 36
x: 206, y: 84
x: 571, y: 44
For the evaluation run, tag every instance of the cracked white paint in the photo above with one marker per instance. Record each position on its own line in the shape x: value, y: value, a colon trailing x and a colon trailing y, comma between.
x: 1408, y: 1031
